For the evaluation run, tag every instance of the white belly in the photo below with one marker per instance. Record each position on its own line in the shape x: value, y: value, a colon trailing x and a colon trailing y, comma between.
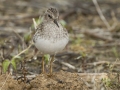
x: 48, y: 47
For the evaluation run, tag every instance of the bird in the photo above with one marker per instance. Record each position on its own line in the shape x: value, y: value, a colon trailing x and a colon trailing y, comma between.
x: 50, y: 36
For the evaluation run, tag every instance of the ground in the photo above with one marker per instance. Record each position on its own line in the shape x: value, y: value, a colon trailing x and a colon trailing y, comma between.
x: 90, y: 61
x: 59, y: 81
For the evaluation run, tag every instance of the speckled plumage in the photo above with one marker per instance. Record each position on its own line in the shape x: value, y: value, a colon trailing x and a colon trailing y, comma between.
x: 50, y: 37
x: 50, y: 31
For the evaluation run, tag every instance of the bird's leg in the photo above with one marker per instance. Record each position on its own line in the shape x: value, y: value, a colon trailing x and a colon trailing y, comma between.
x: 43, y: 68
x: 52, y: 59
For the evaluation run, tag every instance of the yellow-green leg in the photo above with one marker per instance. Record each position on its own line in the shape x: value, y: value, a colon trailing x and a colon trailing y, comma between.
x: 43, y: 67
x: 52, y: 59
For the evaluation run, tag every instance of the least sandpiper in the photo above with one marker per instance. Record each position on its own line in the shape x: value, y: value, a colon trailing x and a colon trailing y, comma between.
x: 50, y: 36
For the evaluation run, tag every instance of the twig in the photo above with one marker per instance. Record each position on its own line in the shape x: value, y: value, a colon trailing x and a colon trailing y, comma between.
x: 29, y: 77
x: 23, y: 51
x: 35, y: 24
x: 89, y: 33
x: 101, y: 14
x: 19, y: 17
x: 115, y: 21
x: 98, y: 63
x: 1, y: 55
x: 24, y: 71
x: 22, y: 40
x: 10, y: 29
x: 67, y: 64
x: 108, y: 45
x: 89, y: 76
x: 69, y: 13
x: 103, y: 62
x: 5, y: 81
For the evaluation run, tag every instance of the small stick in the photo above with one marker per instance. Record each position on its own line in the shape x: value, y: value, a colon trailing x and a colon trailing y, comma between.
x: 87, y: 32
x: 101, y: 14
x: 21, y: 39
x: 23, y: 51
x: 35, y: 24
x: 24, y: 71
x: 67, y: 64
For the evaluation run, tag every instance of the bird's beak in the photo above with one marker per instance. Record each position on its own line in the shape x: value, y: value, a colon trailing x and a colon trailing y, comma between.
x: 55, y: 21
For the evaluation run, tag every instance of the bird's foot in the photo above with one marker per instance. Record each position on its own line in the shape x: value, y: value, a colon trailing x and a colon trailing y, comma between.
x: 50, y: 75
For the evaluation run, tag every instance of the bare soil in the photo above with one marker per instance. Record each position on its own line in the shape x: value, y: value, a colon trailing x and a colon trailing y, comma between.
x: 59, y: 81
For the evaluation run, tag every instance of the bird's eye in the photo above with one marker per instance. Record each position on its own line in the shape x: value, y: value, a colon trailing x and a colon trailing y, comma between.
x: 49, y: 16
